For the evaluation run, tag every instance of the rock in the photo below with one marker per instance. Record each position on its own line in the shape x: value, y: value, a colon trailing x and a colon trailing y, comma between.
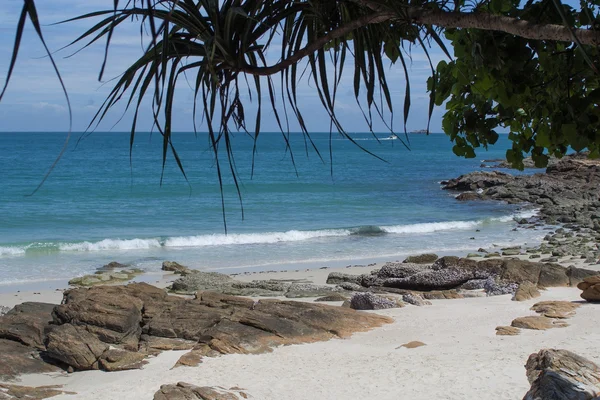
x: 537, y: 323
x: 511, y: 252
x: 176, y: 268
x: 10, y: 392
x: 111, y: 266
x: 474, y: 284
x: 335, y: 278
x: 526, y: 291
x: 299, y: 290
x: 106, y: 277
x: 75, y: 346
x: 19, y: 359
x: 518, y: 271
x: 427, y: 258
x: 351, y: 286
x: 473, y: 255
x: 27, y: 324
x: 577, y: 275
x: 591, y: 288
x: 553, y: 275
x: 199, y: 280
x: 369, y: 301
x: 432, y: 279
x: 154, y: 344
x: 399, y: 270
x: 415, y: 300
x: 333, y: 297
x: 442, y: 294
x: 507, y: 331
x: 185, y: 391
x: 4, y: 310
x: 469, y: 196
x: 561, y: 375
x: 497, y: 287
x: 555, y: 309
x: 121, y: 360
x: 412, y: 345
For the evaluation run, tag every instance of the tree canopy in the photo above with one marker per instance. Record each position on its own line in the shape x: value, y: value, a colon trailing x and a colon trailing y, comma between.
x: 527, y: 66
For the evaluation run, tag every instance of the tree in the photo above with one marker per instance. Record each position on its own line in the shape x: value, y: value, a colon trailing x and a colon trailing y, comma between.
x: 530, y: 67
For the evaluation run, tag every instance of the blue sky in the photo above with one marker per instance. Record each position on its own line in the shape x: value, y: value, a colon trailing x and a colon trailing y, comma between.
x: 34, y: 101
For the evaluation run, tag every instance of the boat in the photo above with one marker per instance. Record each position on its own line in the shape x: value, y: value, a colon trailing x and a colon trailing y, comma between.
x: 392, y: 137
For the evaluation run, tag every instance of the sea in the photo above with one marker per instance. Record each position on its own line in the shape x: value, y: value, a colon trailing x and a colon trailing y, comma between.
x: 291, y: 207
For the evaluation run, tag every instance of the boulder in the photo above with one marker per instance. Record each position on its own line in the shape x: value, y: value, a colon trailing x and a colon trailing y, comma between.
x: 121, y: 360
x: 526, y: 291
x: 27, y: 323
x: 591, y: 288
x: 553, y: 275
x: 427, y: 258
x: 469, y: 196
x: 399, y: 270
x: 199, y: 280
x: 75, y: 346
x: 112, y: 266
x: 333, y: 297
x: 369, y: 301
x: 577, y: 275
x: 520, y: 271
x: 561, y: 375
x: 494, y: 286
x: 185, y: 391
x: 432, y: 279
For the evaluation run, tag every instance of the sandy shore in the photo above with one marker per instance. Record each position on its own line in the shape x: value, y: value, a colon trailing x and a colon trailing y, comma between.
x: 463, y: 358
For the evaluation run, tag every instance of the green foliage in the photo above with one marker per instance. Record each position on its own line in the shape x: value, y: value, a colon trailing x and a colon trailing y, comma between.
x: 545, y: 92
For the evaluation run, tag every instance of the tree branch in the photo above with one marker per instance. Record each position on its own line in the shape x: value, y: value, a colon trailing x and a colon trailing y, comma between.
x: 445, y: 19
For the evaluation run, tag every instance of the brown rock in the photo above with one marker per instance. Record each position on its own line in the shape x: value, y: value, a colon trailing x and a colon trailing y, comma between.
x: 561, y: 375
x: 507, y: 331
x: 9, y: 392
x: 413, y: 344
x: 17, y: 359
x: 526, y: 291
x: 537, y: 323
x: 154, y: 344
x: 442, y: 294
x: 27, y: 323
x: 427, y: 258
x: 175, y: 267
x: 520, y: 271
x: 577, y: 275
x: 555, y: 309
x: 591, y: 288
x: 553, y: 275
x: 121, y: 360
x: 75, y: 346
x: 185, y: 391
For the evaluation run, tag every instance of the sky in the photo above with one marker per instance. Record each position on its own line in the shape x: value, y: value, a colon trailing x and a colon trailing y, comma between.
x: 35, y: 102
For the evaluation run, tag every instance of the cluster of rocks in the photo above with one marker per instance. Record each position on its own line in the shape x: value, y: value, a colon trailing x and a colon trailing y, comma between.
x: 110, y: 273
x: 552, y: 315
x: 454, y: 277
x: 566, y: 193
x: 185, y: 391
x: 115, y: 328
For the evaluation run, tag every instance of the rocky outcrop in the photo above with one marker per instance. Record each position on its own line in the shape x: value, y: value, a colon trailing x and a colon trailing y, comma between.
x: 567, y: 192
x: 591, y: 288
x: 526, y: 291
x: 176, y: 268
x: 185, y: 391
x: 114, y: 328
x: 537, y: 323
x: 106, y: 276
x: 561, y: 375
x: 427, y: 258
x: 552, y: 315
x: 507, y: 331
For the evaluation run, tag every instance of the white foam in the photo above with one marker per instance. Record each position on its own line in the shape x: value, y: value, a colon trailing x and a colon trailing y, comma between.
x: 111, y: 244
x: 431, y: 227
x: 11, y: 250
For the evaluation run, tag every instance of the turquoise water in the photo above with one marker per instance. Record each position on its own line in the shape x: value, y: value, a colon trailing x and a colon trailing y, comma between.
x: 95, y: 207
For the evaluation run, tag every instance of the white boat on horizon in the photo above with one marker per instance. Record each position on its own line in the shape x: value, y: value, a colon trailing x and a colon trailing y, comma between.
x: 392, y: 137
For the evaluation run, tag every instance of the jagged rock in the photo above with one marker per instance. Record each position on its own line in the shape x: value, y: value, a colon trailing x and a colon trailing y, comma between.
x: 497, y: 287
x: 298, y: 290
x: 415, y: 299
x: 507, y: 331
x: 75, y: 346
x: 432, y: 279
x: 474, y: 284
x: 333, y: 297
x: 351, y: 286
x: 369, y: 301
x: 537, y: 323
x: 336, y: 278
x: 561, y: 375
x: 427, y: 258
x: 555, y: 309
x: 469, y: 196
x: 526, y: 291
x: 185, y: 391
x: 15, y: 392
x: 27, y: 323
x: 16, y: 359
x: 591, y: 288
x: 154, y: 344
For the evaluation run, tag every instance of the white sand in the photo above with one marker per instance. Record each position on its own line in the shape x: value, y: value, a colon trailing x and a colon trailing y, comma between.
x: 463, y: 358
